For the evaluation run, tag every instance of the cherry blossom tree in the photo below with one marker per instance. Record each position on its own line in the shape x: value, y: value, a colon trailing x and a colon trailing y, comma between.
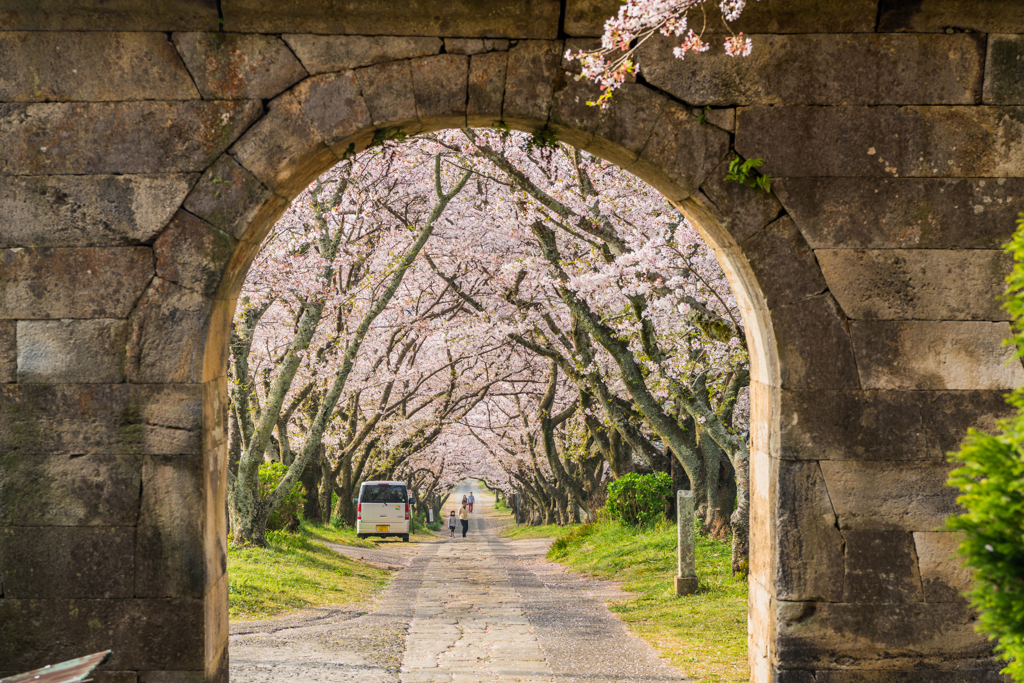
x: 639, y: 20
x: 333, y: 252
x: 562, y: 325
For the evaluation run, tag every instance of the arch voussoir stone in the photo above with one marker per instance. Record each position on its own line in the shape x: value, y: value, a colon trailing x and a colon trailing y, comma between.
x: 439, y: 85
x: 283, y: 149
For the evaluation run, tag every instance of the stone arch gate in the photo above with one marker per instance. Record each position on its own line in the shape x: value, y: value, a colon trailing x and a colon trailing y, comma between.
x: 146, y: 148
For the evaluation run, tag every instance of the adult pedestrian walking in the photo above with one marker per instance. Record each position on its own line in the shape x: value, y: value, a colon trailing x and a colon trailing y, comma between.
x: 464, y: 518
x: 470, y: 500
x: 465, y: 499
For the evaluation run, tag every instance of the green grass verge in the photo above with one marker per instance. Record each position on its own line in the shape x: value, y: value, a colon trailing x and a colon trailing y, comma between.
x: 295, y: 572
x: 544, y: 531
x: 705, y: 634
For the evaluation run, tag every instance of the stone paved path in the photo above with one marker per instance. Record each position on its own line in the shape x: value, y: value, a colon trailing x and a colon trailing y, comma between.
x: 492, y: 610
x: 473, y: 610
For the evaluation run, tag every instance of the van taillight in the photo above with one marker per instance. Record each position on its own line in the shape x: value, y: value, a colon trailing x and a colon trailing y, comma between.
x: 407, y: 511
x: 359, y: 511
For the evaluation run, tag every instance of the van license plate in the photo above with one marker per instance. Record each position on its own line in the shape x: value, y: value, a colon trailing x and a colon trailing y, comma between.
x: 383, y: 527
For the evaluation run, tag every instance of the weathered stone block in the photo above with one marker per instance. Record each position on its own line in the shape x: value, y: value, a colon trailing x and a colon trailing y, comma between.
x: 439, y: 85
x: 71, y: 351
x: 8, y: 351
x: 335, y: 107
x: 149, y: 633
x: 88, y: 211
x: 793, y: 676
x: 473, y: 46
x: 232, y: 66
x: 883, y: 141
x: 949, y: 414
x: 866, y: 635
x: 167, y: 335
x: 801, y: 69
x: 228, y: 197
x: 529, y: 83
x: 217, y: 630
x: 1002, y: 16
x: 917, y: 284
x: 43, y: 66
x: 814, y: 347
x: 448, y: 18
x: 192, y: 253
x: 953, y: 671
x: 944, y: 575
x: 72, y: 283
x: 680, y: 153
x: 71, y: 420
x: 171, y: 677
x: 67, y: 562
x: 324, y: 54
x: 215, y: 468
x: 125, y: 15
x: 883, y: 425
x: 724, y: 118
x: 127, y: 137
x: 881, y: 567
x: 935, y: 355
x: 169, y: 557
x: 115, y: 677
x: 75, y: 492
x: 743, y: 211
x: 1004, y: 70
x: 783, y: 263
x: 809, y: 565
x: 894, y: 213
x: 571, y: 118
x: 623, y: 130
x: 911, y: 496
x: 486, y: 88
x: 282, y: 149
x: 387, y: 90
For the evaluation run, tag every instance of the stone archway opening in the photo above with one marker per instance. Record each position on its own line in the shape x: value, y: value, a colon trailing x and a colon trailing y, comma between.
x: 393, y: 133
x: 281, y: 153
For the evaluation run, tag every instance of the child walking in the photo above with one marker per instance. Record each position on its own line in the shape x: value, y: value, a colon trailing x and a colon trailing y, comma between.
x: 452, y: 524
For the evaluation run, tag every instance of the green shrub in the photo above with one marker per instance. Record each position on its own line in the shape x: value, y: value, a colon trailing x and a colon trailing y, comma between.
x: 286, y: 516
x: 991, y: 483
x: 638, y: 499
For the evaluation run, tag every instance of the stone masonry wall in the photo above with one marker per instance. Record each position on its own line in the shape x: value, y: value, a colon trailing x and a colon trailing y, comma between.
x: 147, y: 146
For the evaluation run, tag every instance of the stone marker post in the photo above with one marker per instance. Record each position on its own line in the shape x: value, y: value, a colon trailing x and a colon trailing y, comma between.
x: 686, y: 579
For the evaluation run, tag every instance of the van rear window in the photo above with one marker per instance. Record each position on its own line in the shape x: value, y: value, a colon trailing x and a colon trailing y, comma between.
x: 383, y: 493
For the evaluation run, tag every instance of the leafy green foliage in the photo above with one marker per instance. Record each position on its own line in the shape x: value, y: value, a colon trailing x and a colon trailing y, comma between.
x: 638, y: 499
x: 286, y: 516
x: 745, y: 173
x: 702, y: 118
x: 991, y: 483
x: 1013, y: 300
x: 541, y: 139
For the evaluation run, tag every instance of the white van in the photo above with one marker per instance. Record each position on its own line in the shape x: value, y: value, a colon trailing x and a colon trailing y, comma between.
x: 382, y: 509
